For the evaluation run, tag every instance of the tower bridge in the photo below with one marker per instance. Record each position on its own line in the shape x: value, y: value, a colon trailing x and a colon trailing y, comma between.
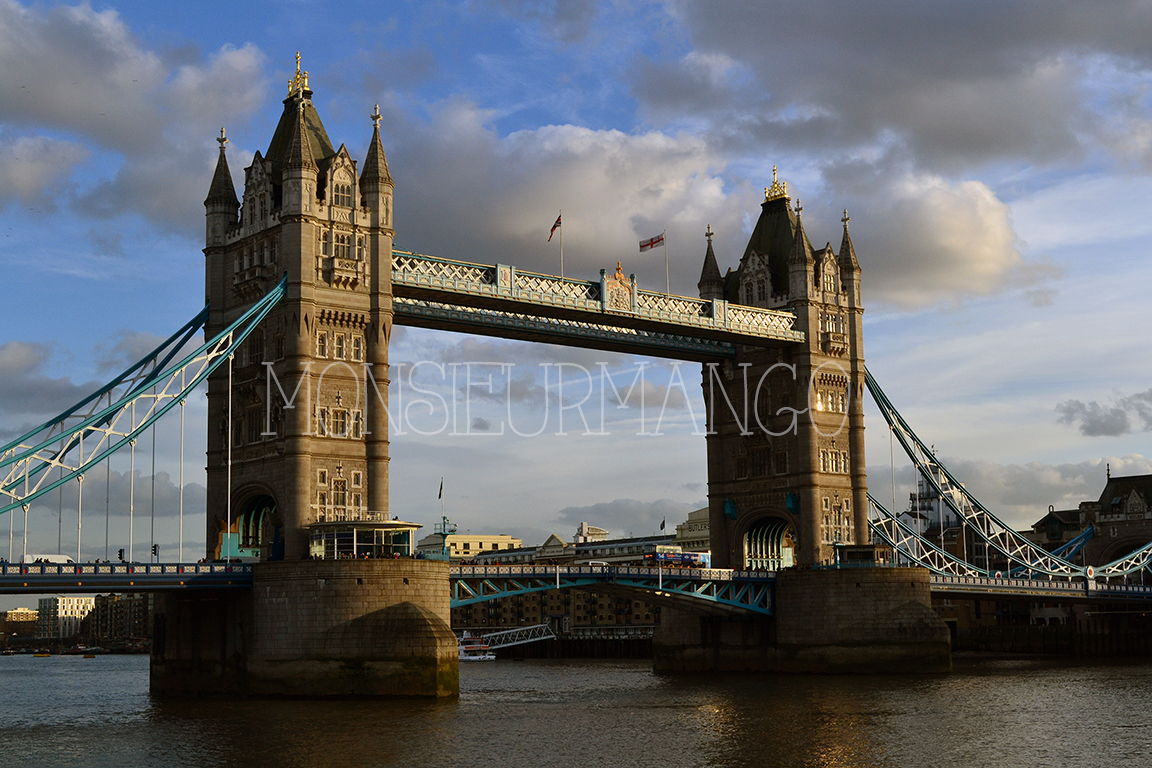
x: 304, y: 283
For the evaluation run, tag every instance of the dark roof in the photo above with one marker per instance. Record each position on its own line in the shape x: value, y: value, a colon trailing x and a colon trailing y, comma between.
x: 1120, y: 487
x: 320, y: 146
x: 773, y: 235
x: 376, y: 164
x: 222, y: 190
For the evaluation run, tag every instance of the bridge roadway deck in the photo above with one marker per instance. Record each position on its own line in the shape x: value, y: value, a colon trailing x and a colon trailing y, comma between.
x: 38, y: 578
x: 734, y: 590
x: 610, y: 313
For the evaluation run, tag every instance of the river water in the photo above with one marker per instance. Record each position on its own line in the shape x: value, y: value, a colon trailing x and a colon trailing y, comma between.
x: 71, y: 711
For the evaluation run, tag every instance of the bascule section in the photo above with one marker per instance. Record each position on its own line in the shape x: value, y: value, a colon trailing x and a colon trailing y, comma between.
x: 298, y: 435
x: 786, y: 472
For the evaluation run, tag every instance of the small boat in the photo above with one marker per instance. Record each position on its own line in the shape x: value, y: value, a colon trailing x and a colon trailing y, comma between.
x: 475, y: 649
x: 41, y: 655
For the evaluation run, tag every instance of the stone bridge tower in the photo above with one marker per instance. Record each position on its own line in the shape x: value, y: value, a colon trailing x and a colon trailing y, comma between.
x: 308, y: 398
x: 786, y: 472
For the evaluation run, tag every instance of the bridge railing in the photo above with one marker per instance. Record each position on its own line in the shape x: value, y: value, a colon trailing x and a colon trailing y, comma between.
x: 505, y: 287
x: 121, y: 569
x: 694, y: 574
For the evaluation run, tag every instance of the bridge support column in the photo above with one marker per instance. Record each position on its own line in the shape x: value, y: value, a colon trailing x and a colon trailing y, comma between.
x: 852, y: 620
x: 313, y: 628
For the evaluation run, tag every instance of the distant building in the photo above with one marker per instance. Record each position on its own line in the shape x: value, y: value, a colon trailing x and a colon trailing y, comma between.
x: 937, y: 521
x: 1121, y: 517
x: 693, y: 535
x: 582, y: 612
x: 119, y: 617
x: 59, y: 617
x: 466, y: 546
x: 21, y: 614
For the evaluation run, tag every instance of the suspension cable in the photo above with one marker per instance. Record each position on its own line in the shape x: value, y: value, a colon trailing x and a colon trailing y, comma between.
x: 182, y: 402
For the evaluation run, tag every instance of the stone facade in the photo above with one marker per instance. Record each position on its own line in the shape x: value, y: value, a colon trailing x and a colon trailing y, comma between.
x: 309, y: 436
x: 315, y: 628
x: 851, y: 620
x: 786, y: 470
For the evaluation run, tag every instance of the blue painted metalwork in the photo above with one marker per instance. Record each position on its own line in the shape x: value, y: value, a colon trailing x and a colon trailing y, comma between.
x: 33, y: 578
x: 63, y: 450
x: 738, y: 591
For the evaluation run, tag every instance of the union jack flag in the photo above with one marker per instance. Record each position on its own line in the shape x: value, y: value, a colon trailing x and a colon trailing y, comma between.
x: 555, y: 227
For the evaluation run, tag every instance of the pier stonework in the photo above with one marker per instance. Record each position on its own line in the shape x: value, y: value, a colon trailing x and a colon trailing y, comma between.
x: 312, y: 628
x: 851, y: 620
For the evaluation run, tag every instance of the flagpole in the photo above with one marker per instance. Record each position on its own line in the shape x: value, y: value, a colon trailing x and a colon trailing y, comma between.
x: 559, y: 218
x: 667, y: 282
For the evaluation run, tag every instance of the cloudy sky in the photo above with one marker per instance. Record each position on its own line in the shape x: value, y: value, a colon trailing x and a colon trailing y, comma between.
x: 995, y: 158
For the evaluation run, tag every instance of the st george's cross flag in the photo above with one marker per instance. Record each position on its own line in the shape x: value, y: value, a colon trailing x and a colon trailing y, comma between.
x: 555, y: 227
x: 652, y: 242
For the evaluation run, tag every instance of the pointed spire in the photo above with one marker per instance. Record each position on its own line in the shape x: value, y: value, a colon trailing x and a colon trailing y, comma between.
x: 711, y: 284
x: 375, y: 165
x: 221, y: 191
x: 847, y: 256
x: 801, y: 246
x: 299, y: 147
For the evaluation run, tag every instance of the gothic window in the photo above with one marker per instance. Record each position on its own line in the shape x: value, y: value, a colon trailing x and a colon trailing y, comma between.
x: 326, y: 243
x: 342, y: 195
x: 759, y: 463
x: 322, y: 476
x: 339, y: 422
x: 343, y: 246
x: 278, y: 346
x: 847, y: 505
x: 826, y: 504
x: 741, y: 467
x: 339, y: 493
x: 247, y: 258
x: 833, y: 461
x: 357, y: 479
x: 322, y: 344
x: 272, y: 252
x: 360, y: 248
x: 338, y: 346
x: 357, y: 501
x: 261, y: 208
x: 357, y: 421
x: 781, y: 460
x: 252, y: 419
x: 844, y: 462
x: 760, y: 290
x: 324, y: 422
x: 824, y: 462
x: 256, y: 347
x: 358, y: 348
x: 322, y: 499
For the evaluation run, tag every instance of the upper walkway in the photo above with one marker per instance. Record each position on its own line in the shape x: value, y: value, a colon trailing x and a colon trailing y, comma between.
x: 612, y: 313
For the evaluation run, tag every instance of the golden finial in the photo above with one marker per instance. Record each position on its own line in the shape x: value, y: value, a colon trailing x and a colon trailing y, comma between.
x: 777, y: 190
x: 375, y: 116
x: 299, y: 82
x: 708, y: 233
x: 223, y: 139
x: 845, y: 220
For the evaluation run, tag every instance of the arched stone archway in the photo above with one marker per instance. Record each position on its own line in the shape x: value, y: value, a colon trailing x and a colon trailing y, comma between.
x: 258, y: 530
x: 770, y: 545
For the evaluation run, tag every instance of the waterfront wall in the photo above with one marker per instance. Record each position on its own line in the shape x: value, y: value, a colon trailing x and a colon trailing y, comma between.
x: 313, y: 628
x: 853, y: 620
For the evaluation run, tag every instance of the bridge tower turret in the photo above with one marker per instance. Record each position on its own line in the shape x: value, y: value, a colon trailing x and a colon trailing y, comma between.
x: 786, y: 472
x: 308, y: 400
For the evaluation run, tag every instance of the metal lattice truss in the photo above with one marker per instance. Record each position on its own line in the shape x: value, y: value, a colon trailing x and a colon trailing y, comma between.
x: 1000, y: 536
x: 431, y: 314
x: 137, y: 377
x: 509, y: 637
x: 67, y: 446
x: 614, y: 300
x: 740, y: 591
x: 914, y: 547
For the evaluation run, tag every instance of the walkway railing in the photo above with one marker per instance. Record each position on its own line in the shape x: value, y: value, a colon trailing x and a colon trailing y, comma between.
x: 120, y: 577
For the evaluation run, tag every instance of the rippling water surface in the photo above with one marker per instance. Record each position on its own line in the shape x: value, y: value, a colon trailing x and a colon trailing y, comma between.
x: 71, y: 711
